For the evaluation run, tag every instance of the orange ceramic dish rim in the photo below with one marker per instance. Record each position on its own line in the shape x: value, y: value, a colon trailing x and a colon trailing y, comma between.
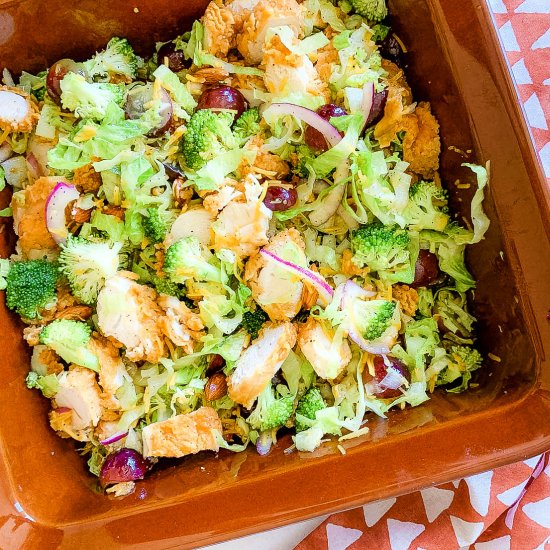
x: 46, y: 496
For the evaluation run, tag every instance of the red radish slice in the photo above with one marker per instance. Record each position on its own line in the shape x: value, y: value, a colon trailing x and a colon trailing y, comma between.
x: 114, y: 438
x: 330, y: 133
x: 325, y: 290
x: 14, y: 108
x: 62, y: 410
x: 62, y: 194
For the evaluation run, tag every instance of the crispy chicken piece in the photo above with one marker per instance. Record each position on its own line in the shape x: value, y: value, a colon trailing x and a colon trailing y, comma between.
x: 214, y: 202
x: 277, y: 291
x: 75, y: 313
x: 195, y: 222
x: 264, y: 163
x: 398, y: 105
x: 18, y: 112
x: 327, y: 57
x: 50, y: 360
x: 112, y: 371
x: 128, y: 312
x: 29, y: 217
x: 183, y: 434
x: 421, y: 144
x: 86, y: 179
x: 316, y: 340
x: 219, y: 29
x: 242, y: 226
x: 180, y: 324
x: 266, y: 15
x: 31, y: 335
x: 260, y: 361
x: 287, y: 72
x: 349, y: 267
x: 78, y: 391
x: 407, y: 297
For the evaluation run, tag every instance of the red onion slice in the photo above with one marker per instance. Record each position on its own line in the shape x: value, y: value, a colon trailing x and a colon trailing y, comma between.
x: 366, y: 103
x: 323, y: 288
x: 62, y: 194
x: 263, y: 443
x: 114, y: 438
x: 393, y: 379
x: 330, y: 133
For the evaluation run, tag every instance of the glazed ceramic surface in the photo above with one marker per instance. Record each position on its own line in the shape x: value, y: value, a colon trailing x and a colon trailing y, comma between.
x: 47, y: 498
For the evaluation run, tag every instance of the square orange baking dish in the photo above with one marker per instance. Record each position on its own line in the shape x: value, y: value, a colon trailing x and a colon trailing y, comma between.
x: 454, y: 60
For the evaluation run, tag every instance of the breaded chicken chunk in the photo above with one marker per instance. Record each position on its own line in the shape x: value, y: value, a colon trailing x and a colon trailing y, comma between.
x: 266, y: 15
x: 180, y: 324
x: 421, y: 144
x: 260, y: 361
x: 18, y: 111
x: 407, y: 297
x: 219, y: 29
x: 290, y: 73
x: 183, y: 434
x: 112, y: 371
x: 128, y: 312
x: 242, y: 226
x: 78, y: 391
x: 316, y: 341
x: 29, y: 217
x: 277, y: 291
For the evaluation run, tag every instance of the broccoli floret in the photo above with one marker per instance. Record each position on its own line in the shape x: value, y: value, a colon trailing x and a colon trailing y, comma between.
x: 48, y: 385
x: 380, y: 247
x: 30, y: 287
x: 88, y: 265
x: 467, y: 356
x: 88, y: 99
x: 118, y: 58
x: 463, y: 361
x: 208, y: 135
x: 271, y: 412
x: 253, y: 321
x: 427, y: 207
x: 35, y: 85
x: 69, y: 339
x: 164, y: 285
x: 382, y: 314
x: 247, y: 125
x: 373, y: 10
x: 310, y: 403
x: 186, y: 259
x: 156, y: 224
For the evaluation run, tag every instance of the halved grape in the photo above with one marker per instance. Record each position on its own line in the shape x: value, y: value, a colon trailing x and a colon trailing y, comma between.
x: 57, y: 73
x: 426, y: 270
x: 137, y: 100
x: 387, y: 377
x: 280, y: 198
x: 175, y: 59
x: 378, y: 105
x: 313, y: 137
x: 121, y: 466
x: 222, y: 97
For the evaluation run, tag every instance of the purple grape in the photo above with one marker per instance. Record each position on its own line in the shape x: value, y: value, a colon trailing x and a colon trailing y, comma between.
x: 222, y: 97
x: 313, y: 137
x: 121, y: 466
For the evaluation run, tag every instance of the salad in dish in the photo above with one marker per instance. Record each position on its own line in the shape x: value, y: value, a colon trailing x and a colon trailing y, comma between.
x: 241, y: 236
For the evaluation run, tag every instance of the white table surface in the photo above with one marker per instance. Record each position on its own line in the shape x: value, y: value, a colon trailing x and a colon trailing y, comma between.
x: 283, y: 538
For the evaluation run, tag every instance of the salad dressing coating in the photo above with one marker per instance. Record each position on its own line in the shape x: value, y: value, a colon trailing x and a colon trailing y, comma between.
x: 242, y: 233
